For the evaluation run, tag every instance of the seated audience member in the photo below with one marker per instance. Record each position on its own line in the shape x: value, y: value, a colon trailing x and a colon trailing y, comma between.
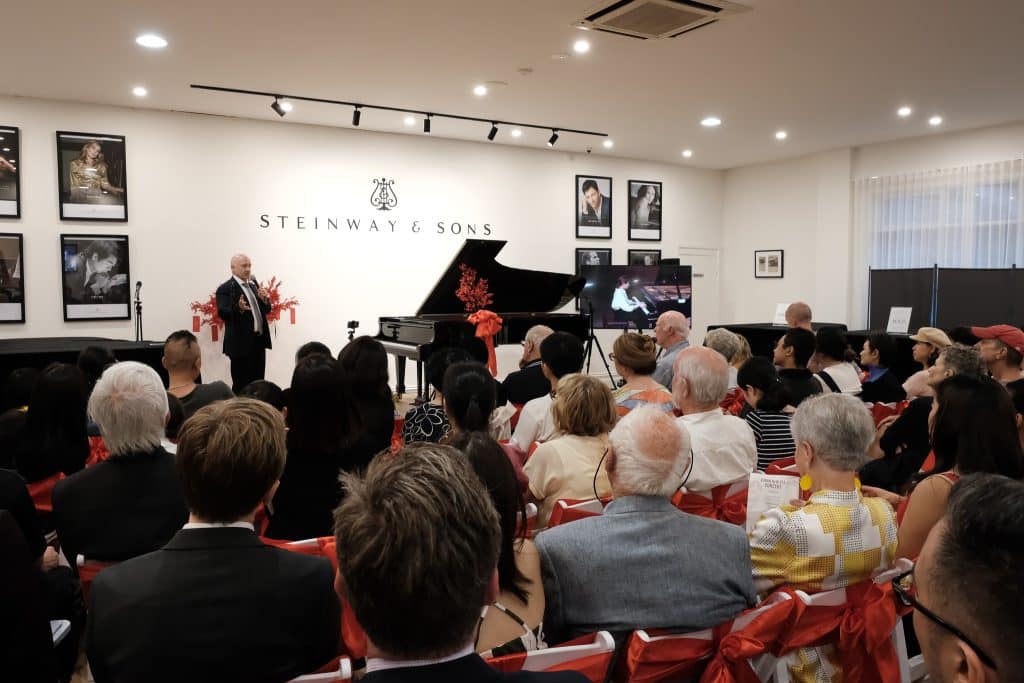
x: 312, y: 348
x: 877, y: 356
x: 771, y: 412
x: 834, y: 360
x: 973, y: 429
x: 132, y: 502
x: 215, y: 603
x: 561, y: 353
x: 792, y: 353
x: 839, y: 538
x: 741, y: 356
x: 724, y: 449
x: 427, y: 421
x: 903, y: 442
x: 570, y: 466
x: 92, y: 361
x: 644, y: 563
x: 965, y: 588
x: 364, y: 367
x: 53, y: 436
x: 529, y: 382
x: 929, y: 342
x: 17, y: 390
x: 266, y: 391
x: 728, y: 344
x: 799, y: 316
x: 513, y: 622
x: 1002, y: 349
x: 419, y: 543
x: 175, y: 418
x: 183, y: 360
x: 309, y: 489
x: 633, y: 356
x: 1016, y: 390
x: 672, y: 332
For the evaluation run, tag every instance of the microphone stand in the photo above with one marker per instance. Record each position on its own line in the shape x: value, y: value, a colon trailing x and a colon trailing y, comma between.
x: 592, y: 340
x: 138, y: 311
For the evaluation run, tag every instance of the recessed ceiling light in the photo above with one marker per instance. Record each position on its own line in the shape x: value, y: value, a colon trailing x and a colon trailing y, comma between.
x: 581, y: 47
x: 781, y: 135
x: 151, y: 40
x: 687, y: 153
x: 139, y: 91
x: 480, y: 90
x: 711, y: 122
x: 935, y: 121
x: 608, y: 144
x: 516, y: 133
x: 904, y: 112
x: 410, y: 121
x: 287, y: 106
x: 874, y: 177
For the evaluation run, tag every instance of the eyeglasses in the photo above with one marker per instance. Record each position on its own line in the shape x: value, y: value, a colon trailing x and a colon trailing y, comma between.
x: 906, y: 591
x: 611, y: 356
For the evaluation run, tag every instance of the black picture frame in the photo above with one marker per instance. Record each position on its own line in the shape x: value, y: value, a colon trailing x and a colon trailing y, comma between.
x: 769, y: 263
x: 10, y: 172
x: 12, y: 278
x: 91, y: 287
x: 644, y: 217
x: 591, y: 223
x: 592, y: 256
x: 102, y: 192
x: 643, y: 257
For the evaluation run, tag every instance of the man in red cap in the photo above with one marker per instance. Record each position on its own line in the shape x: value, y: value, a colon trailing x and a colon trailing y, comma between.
x: 1002, y: 349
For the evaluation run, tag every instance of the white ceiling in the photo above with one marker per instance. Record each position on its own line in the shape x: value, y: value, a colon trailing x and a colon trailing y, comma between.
x: 830, y: 72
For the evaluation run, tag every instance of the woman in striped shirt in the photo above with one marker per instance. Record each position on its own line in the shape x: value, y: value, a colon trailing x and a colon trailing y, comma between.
x: 770, y: 412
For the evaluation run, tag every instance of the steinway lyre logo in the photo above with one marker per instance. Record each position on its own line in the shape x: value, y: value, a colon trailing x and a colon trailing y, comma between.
x: 383, y: 197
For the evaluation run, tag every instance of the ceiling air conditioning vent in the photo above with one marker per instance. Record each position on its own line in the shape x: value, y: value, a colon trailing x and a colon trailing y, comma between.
x: 647, y: 19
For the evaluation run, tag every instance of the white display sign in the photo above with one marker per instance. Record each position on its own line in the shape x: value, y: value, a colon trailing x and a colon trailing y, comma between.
x: 768, y: 491
x: 899, y: 320
x: 780, y: 315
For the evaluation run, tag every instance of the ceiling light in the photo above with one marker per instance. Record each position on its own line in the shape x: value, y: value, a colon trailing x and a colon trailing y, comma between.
x: 781, y: 135
x: 687, y: 153
x: 608, y: 144
x: 480, y: 90
x: 426, y: 124
x: 7, y: 149
x: 356, y: 113
x: 278, y: 107
x: 516, y: 133
x: 151, y: 40
x: 554, y: 138
x: 935, y: 121
x: 711, y: 122
x: 139, y: 91
x: 493, y: 131
x: 409, y: 121
x: 287, y: 106
x: 904, y: 112
x: 581, y: 47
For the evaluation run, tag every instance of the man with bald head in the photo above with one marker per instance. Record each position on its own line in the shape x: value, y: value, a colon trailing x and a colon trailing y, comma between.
x: 598, y: 577
x: 529, y: 381
x: 723, y: 445
x: 672, y: 332
x: 243, y: 306
x: 798, y: 315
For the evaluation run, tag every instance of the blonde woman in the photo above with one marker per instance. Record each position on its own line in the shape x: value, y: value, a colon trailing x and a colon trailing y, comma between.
x: 571, y: 466
x: 89, y: 174
x: 634, y: 358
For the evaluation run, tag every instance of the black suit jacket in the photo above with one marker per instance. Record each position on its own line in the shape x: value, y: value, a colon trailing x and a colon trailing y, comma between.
x: 526, y: 384
x: 122, y: 507
x: 466, y: 670
x: 213, y: 605
x: 239, y: 337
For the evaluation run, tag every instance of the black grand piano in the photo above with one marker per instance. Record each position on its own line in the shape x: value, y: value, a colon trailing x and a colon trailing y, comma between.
x: 523, y: 298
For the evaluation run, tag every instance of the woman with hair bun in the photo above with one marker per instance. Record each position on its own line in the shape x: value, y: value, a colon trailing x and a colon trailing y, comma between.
x: 770, y: 414
x: 634, y: 358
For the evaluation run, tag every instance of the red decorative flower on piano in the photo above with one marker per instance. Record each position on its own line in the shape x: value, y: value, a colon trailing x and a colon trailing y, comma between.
x: 473, y: 291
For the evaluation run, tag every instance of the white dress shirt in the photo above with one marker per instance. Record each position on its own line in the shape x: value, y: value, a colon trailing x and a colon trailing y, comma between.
x: 536, y: 423
x: 623, y: 302
x: 250, y: 296
x: 220, y: 525
x: 724, y: 449
x: 380, y: 663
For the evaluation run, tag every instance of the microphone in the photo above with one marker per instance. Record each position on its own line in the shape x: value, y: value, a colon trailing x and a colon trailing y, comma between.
x: 138, y: 288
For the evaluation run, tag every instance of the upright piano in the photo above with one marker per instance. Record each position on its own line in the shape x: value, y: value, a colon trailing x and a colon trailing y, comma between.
x: 523, y: 298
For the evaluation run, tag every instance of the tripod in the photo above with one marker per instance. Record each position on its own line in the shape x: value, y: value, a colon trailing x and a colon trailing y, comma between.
x: 592, y: 341
x: 138, y: 312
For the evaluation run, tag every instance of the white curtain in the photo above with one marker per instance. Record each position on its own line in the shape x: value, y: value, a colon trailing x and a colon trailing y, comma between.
x: 967, y: 217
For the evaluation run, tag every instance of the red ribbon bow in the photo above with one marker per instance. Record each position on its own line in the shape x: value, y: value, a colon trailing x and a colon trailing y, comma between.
x: 488, y: 324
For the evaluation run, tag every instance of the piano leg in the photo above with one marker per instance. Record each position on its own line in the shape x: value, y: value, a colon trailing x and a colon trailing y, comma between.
x: 400, y: 375
x: 421, y: 381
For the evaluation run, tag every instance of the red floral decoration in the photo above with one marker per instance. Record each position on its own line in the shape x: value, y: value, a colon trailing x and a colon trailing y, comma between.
x: 205, y: 313
x: 473, y: 291
x: 277, y: 304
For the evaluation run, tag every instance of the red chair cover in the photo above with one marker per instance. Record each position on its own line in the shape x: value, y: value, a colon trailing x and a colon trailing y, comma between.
x: 594, y: 667
x: 87, y: 572
x: 731, y: 662
x: 733, y: 402
x: 570, y: 513
x: 396, y: 434
x: 720, y: 506
x: 514, y: 420
x: 880, y: 411
x: 676, y: 658
x: 97, y: 451
x: 42, y: 492
x: 533, y: 447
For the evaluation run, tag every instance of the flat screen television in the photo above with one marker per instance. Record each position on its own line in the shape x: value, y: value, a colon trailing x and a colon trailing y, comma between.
x: 648, y: 290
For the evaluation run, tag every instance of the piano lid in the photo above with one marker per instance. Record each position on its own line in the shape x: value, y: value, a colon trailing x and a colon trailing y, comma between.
x: 515, y: 290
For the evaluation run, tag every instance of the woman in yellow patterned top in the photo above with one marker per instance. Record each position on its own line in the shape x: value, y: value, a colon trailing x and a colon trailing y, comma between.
x: 839, y: 537
x: 89, y: 174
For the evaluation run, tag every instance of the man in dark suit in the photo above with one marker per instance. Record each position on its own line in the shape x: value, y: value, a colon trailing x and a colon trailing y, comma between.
x: 243, y: 306
x: 133, y: 502
x: 418, y: 541
x: 529, y: 381
x: 216, y: 604
x: 597, y: 208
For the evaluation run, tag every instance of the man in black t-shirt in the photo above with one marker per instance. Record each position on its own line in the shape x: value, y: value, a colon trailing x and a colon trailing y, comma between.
x: 183, y: 361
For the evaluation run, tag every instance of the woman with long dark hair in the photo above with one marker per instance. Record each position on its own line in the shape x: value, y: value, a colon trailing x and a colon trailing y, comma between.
x: 770, y: 412
x: 54, y: 438
x: 363, y: 364
x: 877, y: 356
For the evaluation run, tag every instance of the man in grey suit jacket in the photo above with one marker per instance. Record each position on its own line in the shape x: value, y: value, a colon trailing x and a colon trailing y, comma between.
x: 644, y: 563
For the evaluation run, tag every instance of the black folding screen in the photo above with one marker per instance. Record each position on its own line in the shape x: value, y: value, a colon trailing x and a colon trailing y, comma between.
x: 914, y: 287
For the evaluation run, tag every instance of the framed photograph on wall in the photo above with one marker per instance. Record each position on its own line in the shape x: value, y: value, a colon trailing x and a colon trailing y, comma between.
x: 644, y: 210
x: 12, y: 279
x: 593, y: 207
x: 92, y: 177
x: 589, y: 256
x: 10, y: 177
x: 768, y: 263
x: 95, y: 277
x: 643, y: 257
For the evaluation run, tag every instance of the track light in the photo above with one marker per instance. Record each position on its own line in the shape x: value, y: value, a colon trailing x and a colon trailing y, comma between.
x: 276, y: 106
x: 494, y: 131
x: 426, y: 124
x: 554, y: 137
x: 355, y: 116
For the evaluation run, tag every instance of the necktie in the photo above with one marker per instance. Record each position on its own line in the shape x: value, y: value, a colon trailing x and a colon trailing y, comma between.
x: 257, y: 317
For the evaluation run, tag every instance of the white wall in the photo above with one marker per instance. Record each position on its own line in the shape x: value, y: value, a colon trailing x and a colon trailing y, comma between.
x: 198, y: 185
